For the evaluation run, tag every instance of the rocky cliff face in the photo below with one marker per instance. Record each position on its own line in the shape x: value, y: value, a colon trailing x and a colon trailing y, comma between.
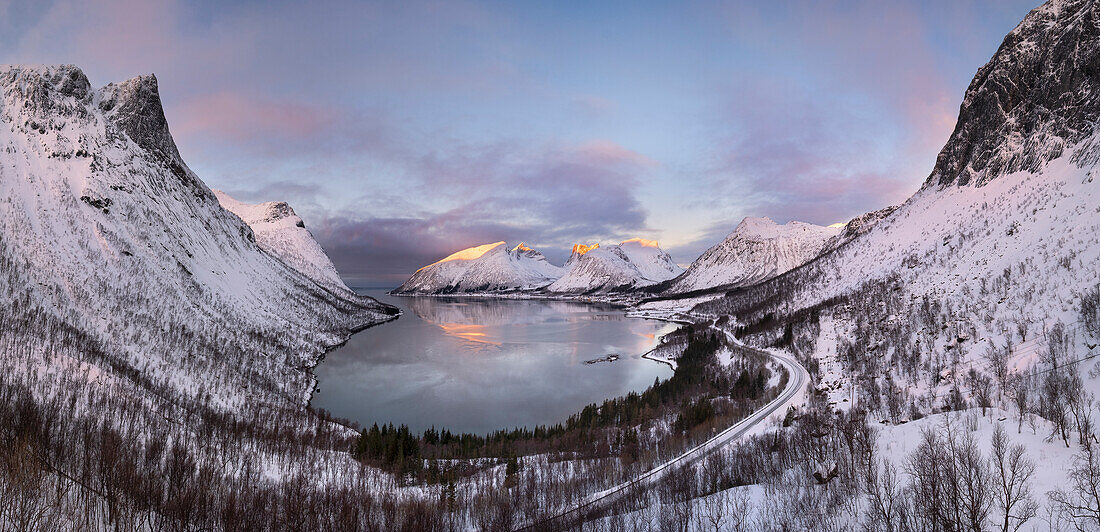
x: 134, y: 105
x: 1037, y: 97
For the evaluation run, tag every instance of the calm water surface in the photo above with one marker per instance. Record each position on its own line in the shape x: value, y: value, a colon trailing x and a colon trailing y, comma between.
x: 477, y: 365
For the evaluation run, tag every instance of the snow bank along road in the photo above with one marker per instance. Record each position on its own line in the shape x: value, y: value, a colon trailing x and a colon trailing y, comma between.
x: 602, y: 500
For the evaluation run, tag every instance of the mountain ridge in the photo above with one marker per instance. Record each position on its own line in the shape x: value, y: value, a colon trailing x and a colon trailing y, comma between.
x: 756, y: 250
x: 492, y: 268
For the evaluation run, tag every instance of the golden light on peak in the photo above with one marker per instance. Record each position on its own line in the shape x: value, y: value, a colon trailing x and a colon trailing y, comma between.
x: 468, y: 253
x: 581, y: 249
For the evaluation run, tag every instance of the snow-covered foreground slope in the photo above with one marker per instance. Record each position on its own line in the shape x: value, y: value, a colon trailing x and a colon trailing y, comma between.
x: 757, y: 249
x: 280, y: 232
x: 748, y: 507
x: 487, y: 268
x: 631, y: 264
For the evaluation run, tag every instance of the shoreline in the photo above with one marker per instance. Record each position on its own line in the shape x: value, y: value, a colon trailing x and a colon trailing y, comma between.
x: 574, y: 298
x: 674, y: 317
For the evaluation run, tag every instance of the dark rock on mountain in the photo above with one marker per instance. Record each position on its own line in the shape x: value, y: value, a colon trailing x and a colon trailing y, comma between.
x: 1034, y: 99
x: 135, y: 106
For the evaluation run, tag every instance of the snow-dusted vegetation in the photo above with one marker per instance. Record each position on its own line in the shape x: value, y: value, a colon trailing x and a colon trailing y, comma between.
x: 157, y: 339
x: 156, y: 358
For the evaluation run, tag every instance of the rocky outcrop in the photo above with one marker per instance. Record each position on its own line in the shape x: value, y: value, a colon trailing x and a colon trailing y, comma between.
x: 135, y: 106
x: 1036, y: 97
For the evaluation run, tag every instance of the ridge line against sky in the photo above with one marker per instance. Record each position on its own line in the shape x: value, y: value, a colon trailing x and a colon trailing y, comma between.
x: 402, y: 132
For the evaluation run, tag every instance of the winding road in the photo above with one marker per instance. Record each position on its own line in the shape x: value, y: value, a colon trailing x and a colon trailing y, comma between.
x: 798, y: 377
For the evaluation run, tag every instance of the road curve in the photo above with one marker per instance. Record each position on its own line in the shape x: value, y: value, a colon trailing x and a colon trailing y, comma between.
x: 798, y: 378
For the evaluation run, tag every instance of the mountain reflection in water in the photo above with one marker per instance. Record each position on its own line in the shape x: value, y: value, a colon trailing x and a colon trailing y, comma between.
x: 477, y: 365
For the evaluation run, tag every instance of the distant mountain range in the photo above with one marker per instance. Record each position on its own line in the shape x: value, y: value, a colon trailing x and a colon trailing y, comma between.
x: 757, y: 249
x: 493, y: 268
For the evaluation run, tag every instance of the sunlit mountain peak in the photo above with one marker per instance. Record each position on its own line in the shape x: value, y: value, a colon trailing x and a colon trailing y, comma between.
x: 468, y: 253
x: 581, y: 249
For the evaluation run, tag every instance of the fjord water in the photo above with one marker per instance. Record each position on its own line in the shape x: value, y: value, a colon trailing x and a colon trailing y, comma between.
x: 481, y: 364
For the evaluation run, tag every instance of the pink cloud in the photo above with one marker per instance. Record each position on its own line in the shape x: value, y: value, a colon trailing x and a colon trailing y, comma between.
x: 604, y: 151
x: 246, y: 118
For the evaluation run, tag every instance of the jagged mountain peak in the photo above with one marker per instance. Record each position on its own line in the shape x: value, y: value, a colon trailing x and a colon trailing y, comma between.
x: 633, y: 263
x: 40, y: 85
x: 136, y: 107
x: 522, y: 250
x: 278, y: 230
x: 581, y: 249
x: 57, y: 104
x: 1035, y: 98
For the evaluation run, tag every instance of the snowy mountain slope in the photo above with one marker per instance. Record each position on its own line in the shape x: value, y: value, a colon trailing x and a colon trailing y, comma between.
x: 630, y: 264
x: 1002, y: 238
x: 757, y: 249
x: 486, y: 268
x: 858, y: 226
x: 652, y: 262
x: 104, y: 227
x: 280, y: 232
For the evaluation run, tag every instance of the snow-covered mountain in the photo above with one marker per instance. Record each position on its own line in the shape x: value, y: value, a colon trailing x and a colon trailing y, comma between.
x: 591, y: 268
x: 999, y: 243
x: 486, y: 268
x: 652, y: 262
x: 104, y: 228
x: 280, y: 232
x: 757, y: 249
x: 630, y: 264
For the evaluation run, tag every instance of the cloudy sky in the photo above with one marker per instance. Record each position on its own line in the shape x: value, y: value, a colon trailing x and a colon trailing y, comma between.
x: 403, y: 131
